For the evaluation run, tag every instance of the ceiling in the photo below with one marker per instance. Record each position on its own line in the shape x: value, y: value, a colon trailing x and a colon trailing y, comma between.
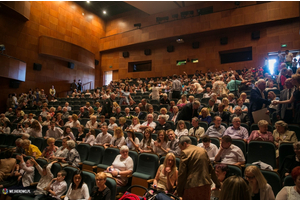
x: 113, y: 8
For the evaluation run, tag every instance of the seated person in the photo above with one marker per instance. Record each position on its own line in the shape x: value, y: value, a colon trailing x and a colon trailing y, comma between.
x: 166, y: 175
x: 103, y: 137
x: 90, y: 137
x: 162, y: 123
x: 112, y: 124
x: 81, y: 134
x: 282, y: 134
x: 92, y: 123
x: 62, y: 151
x: 238, y: 113
x: 262, y: 134
x: 53, y: 132
x: 236, y: 131
x: 68, y: 134
x: 165, y: 99
x: 196, y: 131
x: 122, y: 123
x: 50, y: 149
x: 100, y: 191
x: 57, y: 187
x: 210, y: 148
x: 290, y: 162
x: 149, y: 123
x: 30, y: 149
x: 291, y: 192
x: 223, y: 114
x: 78, y: 189
x: 73, y: 157
x: 216, y: 130
x: 172, y: 144
x: 121, y: 167
x: 181, y: 129
x: 132, y: 141
x: 160, y: 145
x: 151, y: 111
x: 229, y: 153
x: 205, y: 115
x: 117, y: 140
x: 222, y: 172
x: 163, y: 111
x: 147, y: 143
x: 7, y: 166
x: 240, y: 103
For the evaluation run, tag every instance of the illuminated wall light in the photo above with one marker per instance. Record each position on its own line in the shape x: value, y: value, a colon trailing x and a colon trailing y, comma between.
x: 88, y: 1
x: 83, y: 14
x: 104, y: 12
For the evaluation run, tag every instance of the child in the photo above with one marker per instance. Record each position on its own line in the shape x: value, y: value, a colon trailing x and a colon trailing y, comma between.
x: 57, y: 187
x: 46, y: 176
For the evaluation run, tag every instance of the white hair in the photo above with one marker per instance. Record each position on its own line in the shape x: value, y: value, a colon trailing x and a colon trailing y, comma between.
x: 124, y: 148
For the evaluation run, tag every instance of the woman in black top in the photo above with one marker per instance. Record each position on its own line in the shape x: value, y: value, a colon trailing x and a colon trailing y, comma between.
x: 100, y: 191
x: 80, y: 134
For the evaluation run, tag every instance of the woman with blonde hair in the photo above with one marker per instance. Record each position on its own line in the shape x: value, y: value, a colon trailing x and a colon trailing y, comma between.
x: 100, y: 191
x: 50, y: 149
x: 259, y: 187
x: 30, y: 149
x: 243, y: 96
x: 75, y: 123
x: 118, y: 139
x: 48, y: 120
x: 231, y: 98
x: 262, y: 134
x: 166, y: 175
x: 227, y: 107
x: 112, y: 125
x: 235, y: 188
x: 92, y: 123
x: 205, y: 115
x: 122, y: 123
x: 135, y: 125
x: 163, y: 111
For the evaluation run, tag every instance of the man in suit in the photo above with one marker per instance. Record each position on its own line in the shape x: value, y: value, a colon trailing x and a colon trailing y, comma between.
x: 139, y: 114
x: 212, y: 106
x: 258, y: 98
x: 83, y: 113
x: 195, y: 172
x: 223, y: 114
x: 189, y: 111
x: 151, y: 111
x: 108, y: 106
x: 285, y: 111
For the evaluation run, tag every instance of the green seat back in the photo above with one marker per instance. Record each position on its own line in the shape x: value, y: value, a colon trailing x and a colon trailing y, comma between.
x: 273, y: 179
x: 285, y: 149
x: 83, y: 150
x: 262, y: 151
x: 147, y: 164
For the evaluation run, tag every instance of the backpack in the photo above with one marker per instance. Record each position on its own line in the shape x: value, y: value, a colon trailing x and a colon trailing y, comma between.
x: 130, y: 196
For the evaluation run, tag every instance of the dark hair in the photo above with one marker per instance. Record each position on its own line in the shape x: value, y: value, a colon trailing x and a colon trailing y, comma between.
x: 206, y: 138
x: 295, y: 173
x: 227, y: 138
x: 223, y: 168
x: 78, y: 172
x: 8, y: 153
x: 65, y: 132
x: 63, y: 173
x: 150, y: 137
x: 44, y: 166
x: 165, y: 136
x: 132, y: 133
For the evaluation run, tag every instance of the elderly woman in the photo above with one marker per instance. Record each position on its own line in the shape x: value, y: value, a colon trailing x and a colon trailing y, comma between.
x: 291, y: 192
x: 135, y: 125
x: 231, y: 98
x: 52, y: 111
x: 62, y: 151
x: 205, y: 115
x: 262, y: 134
x: 112, y: 124
x: 219, y: 87
x: 75, y: 121
x: 90, y: 137
x: 227, y: 107
x: 73, y: 157
x: 182, y: 102
x: 118, y: 139
x: 122, y: 123
x: 100, y: 191
x: 68, y: 134
x: 35, y: 130
x: 243, y: 96
x: 163, y: 111
x: 290, y: 162
x: 282, y: 134
x: 260, y: 189
x: 30, y: 149
x: 92, y: 123
x: 121, y: 167
x: 166, y: 175
x: 50, y: 149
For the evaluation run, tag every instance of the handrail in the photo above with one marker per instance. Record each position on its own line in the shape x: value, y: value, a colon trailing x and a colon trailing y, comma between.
x: 84, y: 88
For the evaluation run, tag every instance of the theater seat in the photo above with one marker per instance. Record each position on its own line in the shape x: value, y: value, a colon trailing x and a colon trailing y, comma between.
x: 112, y: 185
x: 94, y: 158
x: 262, y: 151
x: 83, y: 150
x: 108, y: 158
x: 273, y: 179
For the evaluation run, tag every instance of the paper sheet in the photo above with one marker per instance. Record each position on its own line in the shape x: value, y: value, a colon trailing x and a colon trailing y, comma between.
x: 261, y: 114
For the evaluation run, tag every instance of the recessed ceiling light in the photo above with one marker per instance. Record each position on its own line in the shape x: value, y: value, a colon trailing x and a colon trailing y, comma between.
x: 104, y: 11
x: 88, y: 1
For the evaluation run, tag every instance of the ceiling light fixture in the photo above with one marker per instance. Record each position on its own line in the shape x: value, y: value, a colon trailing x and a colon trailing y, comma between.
x: 88, y: 1
x: 104, y: 12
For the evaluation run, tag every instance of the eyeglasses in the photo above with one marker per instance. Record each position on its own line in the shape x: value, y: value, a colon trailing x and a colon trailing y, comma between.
x: 249, y: 177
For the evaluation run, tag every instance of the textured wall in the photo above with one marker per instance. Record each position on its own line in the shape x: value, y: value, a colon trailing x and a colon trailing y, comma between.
x: 58, y: 19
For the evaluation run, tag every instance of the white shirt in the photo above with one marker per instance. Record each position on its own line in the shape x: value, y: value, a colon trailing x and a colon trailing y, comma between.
x: 123, y: 165
x: 129, y: 143
x: 112, y: 126
x: 59, y: 188
x: 72, y: 124
x: 90, y: 140
x: 81, y: 193
x: 90, y: 125
x: 136, y: 128
x: 103, y: 138
x: 55, y: 133
x: 179, y: 133
x: 232, y: 155
x: 212, y: 150
x: 152, y: 124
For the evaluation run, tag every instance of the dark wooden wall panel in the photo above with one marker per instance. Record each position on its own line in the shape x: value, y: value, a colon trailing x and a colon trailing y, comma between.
x: 61, y: 20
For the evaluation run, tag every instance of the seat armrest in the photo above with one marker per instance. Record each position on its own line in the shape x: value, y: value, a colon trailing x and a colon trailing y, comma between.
x: 150, y: 181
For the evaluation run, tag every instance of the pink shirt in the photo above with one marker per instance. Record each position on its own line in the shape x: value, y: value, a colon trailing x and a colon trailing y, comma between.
x: 256, y: 135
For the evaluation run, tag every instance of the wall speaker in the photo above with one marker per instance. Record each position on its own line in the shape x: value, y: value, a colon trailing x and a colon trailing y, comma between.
x: 71, y: 65
x: 255, y: 35
x: 37, y: 67
x: 96, y: 62
x: 170, y: 48
x: 126, y: 54
x: 195, y: 45
x: 224, y: 40
x: 147, y: 52
x: 14, y: 83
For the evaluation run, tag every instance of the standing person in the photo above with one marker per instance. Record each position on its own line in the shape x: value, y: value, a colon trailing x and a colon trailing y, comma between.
x: 52, y: 91
x: 288, y: 58
x: 176, y: 87
x: 79, y: 85
x: 74, y: 86
x: 108, y: 106
x: 258, y: 98
x: 195, y: 172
